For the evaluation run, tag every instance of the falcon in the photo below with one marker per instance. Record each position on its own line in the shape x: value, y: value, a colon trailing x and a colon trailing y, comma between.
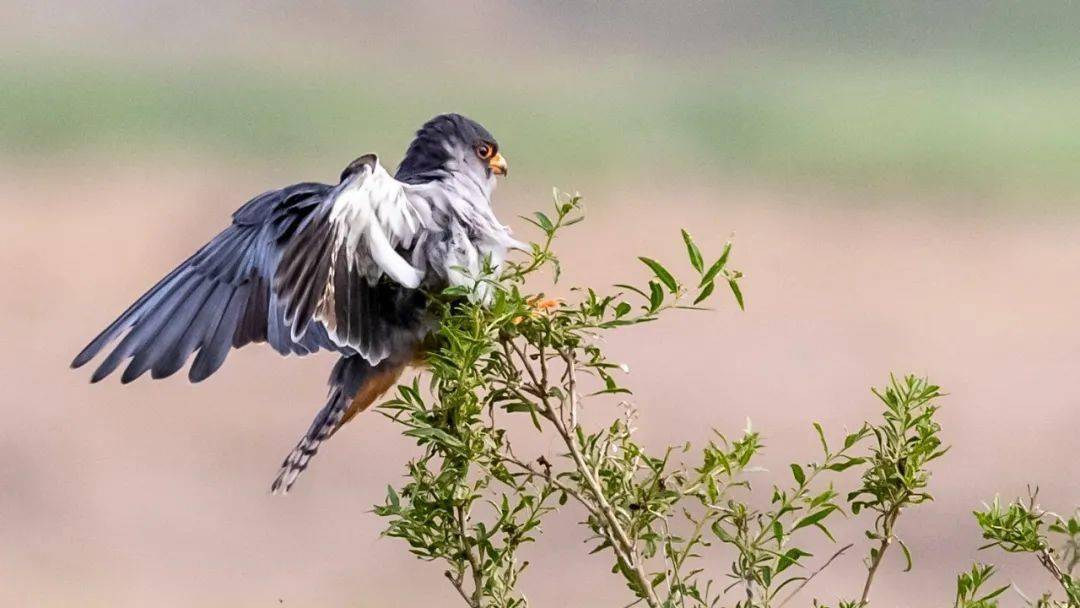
x: 342, y: 268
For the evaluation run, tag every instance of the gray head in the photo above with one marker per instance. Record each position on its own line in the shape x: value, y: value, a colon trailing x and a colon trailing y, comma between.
x: 451, y: 144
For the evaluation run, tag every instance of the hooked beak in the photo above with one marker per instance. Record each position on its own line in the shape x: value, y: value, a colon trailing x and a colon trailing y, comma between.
x: 498, y: 164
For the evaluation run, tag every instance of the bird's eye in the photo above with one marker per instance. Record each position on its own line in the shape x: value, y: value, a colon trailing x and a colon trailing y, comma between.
x: 485, y: 150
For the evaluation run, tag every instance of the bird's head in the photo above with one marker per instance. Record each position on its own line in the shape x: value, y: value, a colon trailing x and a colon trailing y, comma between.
x: 451, y: 145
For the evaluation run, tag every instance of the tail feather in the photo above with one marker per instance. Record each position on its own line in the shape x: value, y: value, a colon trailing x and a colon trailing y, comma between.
x: 326, y: 422
x: 354, y: 385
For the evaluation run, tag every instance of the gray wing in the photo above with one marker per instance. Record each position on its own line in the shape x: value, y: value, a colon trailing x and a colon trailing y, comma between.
x: 250, y: 284
x: 350, y: 269
x: 217, y: 299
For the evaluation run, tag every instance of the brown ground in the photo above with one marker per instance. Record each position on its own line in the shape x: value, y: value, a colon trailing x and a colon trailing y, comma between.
x: 155, y: 494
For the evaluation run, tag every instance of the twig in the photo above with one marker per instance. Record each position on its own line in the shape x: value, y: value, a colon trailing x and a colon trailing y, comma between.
x: 474, y: 565
x: 807, y: 580
x: 571, y: 492
x: 461, y: 590
x: 541, y: 392
x: 1020, y: 592
x: 571, y: 379
x: 887, y: 537
x: 1051, y: 565
x: 624, y: 549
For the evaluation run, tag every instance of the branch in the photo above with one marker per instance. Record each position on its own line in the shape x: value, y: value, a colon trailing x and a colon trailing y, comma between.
x: 571, y: 375
x: 807, y: 580
x: 616, y: 535
x: 548, y: 477
x: 1046, y: 558
x: 460, y: 589
x: 887, y: 537
x: 474, y: 565
x: 626, y: 549
x: 620, y: 542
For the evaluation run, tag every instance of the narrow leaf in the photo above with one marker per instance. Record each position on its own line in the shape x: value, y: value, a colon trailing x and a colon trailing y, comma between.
x: 738, y: 293
x: 544, y: 221
x: 717, y: 266
x: 661, y: 273
x: 705, y: 293
x: 814, y: 518
x: 693, y: 252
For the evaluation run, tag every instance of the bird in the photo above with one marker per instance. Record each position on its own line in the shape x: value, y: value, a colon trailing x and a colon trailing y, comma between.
x: 346, y: 268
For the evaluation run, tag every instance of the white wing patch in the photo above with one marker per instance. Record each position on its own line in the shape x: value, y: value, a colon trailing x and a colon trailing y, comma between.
x: 373, y: 216
x: 370, y: 219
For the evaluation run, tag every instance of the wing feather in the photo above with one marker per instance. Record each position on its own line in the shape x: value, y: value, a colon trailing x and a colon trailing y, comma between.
x: 218, y: 298
x: 333, y: 272
x: 304, y: 268
x: 216, y: 348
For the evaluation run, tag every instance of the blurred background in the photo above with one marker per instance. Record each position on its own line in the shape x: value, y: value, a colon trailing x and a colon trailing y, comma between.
x: 903, y: 181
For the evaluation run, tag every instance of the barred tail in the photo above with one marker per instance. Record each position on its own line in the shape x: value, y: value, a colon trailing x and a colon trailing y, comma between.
x: 354, y: 385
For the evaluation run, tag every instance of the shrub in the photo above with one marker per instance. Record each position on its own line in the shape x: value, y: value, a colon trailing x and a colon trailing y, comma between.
x: 472, y: 501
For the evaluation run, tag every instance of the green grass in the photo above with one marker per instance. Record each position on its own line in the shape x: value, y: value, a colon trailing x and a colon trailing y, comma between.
x: 999, y: 131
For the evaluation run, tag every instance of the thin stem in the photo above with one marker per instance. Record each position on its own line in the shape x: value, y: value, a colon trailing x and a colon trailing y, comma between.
x: 888, y: 522
x: 1046, y: 558
x: 678, y: 559
x: 620, y: 542
x: 540, y: 387
x: 571, y: 380
x: 864, y: 599
x: 800, y: 491
x: 806, y: 581
x: 474, y: 565
x: 571, y: 492
x: 628, y: 548
x: 456, y: 582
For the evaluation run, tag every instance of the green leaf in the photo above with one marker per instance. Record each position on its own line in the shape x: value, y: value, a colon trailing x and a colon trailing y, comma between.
x: 525, y: 406
x: 656, y: 296
x: 661, y: 273
x: 434, y: 434
x: 907, y: 554
x: 738, y: 293
x: 600, y: 547
x: 633, y: 289
x: 790, y: 558
x: 544, y: 222
x: 717, y: 266
x: 995, y: 593
x: 847, y: 464
x: 814, y: 518
x: 821, y: 436
x: 693, y: 252
x: 853, y: 438
x: 705, y: 293
x: 797, y: 472
x: 825, y: 531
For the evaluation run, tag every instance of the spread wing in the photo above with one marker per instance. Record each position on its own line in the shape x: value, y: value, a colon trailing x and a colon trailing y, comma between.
x: 347, y: 271
x: 252, y: 283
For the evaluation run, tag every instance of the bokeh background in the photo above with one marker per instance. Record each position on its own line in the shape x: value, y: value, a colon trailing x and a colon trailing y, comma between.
x: 903, y: 181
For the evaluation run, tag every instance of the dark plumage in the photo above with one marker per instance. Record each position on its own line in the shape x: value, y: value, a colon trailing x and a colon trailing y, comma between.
x: 316, y: 267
